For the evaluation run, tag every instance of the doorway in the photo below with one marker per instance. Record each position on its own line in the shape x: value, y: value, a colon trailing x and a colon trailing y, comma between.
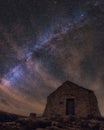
x: 70, y: 106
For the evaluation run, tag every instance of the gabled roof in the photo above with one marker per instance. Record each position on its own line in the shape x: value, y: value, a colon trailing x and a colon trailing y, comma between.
x: 69, y: 84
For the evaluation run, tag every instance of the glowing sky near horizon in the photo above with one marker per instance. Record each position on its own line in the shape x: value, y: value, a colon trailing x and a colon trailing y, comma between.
x: 44, y: 43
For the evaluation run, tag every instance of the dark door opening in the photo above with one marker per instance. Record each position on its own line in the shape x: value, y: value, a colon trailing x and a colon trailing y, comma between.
x: 70, y: 107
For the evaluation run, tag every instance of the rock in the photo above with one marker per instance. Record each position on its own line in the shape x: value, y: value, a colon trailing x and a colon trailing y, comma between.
x: 32, y: 116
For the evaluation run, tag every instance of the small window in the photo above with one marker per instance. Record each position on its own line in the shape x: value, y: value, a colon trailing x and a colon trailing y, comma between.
x: 61, y: 102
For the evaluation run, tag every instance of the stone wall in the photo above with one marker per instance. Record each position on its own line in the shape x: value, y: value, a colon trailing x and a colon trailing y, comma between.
x: 85, y: 101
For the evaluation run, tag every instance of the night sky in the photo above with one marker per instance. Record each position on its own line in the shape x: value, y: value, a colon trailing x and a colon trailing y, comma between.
x: 43, y: 43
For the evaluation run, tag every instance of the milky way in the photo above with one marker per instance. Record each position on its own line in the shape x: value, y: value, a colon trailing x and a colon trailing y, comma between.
x: 44, y: 43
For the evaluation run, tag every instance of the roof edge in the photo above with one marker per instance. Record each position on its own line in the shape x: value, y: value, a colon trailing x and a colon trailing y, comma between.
x: 70, y: 83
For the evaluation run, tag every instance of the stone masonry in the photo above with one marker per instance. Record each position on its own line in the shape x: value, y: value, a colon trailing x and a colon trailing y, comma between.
x: 83, y: 101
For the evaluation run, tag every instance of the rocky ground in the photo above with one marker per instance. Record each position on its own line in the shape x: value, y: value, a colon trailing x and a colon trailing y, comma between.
x: 54, y: 123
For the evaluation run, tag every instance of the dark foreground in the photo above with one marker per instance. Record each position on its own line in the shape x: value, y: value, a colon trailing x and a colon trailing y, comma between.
x: 15, y: 122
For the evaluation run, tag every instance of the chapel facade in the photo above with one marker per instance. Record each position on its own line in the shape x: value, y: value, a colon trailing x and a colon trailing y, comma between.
x: 71, y: 99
